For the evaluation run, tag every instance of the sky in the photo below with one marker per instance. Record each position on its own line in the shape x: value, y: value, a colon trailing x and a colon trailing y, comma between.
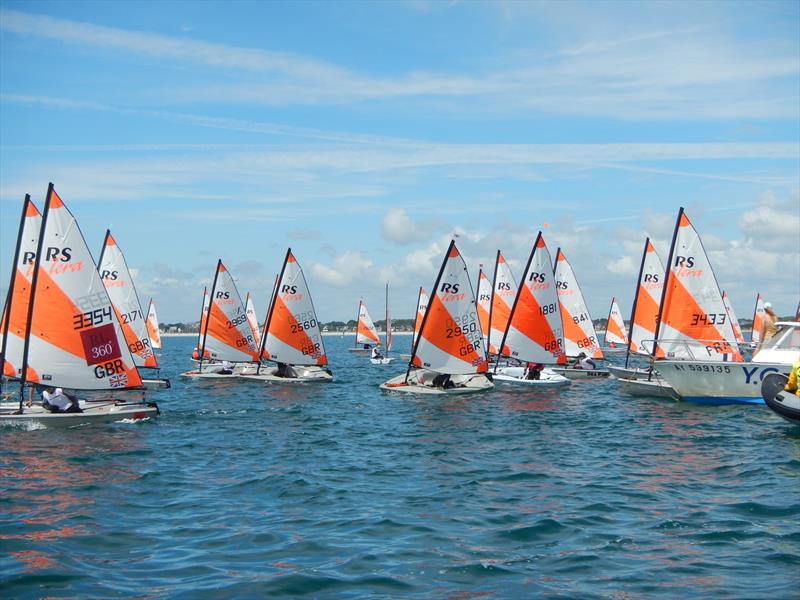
x: 366, y: 135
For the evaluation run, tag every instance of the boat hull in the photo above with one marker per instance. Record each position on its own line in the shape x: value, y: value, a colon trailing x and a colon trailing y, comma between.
x: 654, y: 388
x: 381, y: 361
x: 784, y: 404
x: 93, y: 412
x: 718, y: 383
x: 422, y: 384
x: 304, y: 374
x: 514, y: 376
x: 155, y: 383
x: 582, y: 373
x: 627, y: 373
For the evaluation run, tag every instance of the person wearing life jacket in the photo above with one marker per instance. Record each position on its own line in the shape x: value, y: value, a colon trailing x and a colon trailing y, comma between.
x: 583, y: 362
x: 794, y: 378
x: 55, y: 400
x: 533, y: 370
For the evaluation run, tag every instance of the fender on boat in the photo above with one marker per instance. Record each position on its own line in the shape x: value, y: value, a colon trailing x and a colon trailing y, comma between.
x: 785, y: 404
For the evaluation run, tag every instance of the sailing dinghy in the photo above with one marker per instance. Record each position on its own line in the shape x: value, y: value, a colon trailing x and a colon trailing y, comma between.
x: 292, y: 337
x: 72, y: 337
x: 484, y: 305
x: 448, y: 356
x: 366, y: 332
x: 153, y: 329
x: 534, y: 333
x: 615, y: 338
x: 422, y: 306
x: 201, y: 328
x: 226, y: 336
x: 385, y: 359
x: 119, y: 284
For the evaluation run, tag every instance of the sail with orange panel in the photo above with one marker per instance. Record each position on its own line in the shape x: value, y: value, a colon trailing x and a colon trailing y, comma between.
x: 15, y: 309
x: 758, y: 319
x: 153, y: 329
x: 484, y: 304
x: 534, y: 332
x: 615, y: 326
x: 646, y: 301
x: 579, y: 333
x: 366, y: 332
x: 504, y: 291
x: 737, y: 330
x: 450, y: 340
x: 293, y: 335
x: 693, y: 322
x: 202, y: 327
x: 422, y: 306
x: 119, y: 284
x: 73, y: 337
x: 252, y: 319
x: 227, y: 335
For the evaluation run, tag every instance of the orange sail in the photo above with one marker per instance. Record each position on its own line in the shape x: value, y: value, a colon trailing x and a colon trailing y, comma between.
x: 615, y: 327
x: 74, y: 339
x: 228, y: 335
x: 15, y: 310
x: 450, y: 339
x: 153, y: 329
x: 422, y: 306
x: 292, y: 333
x: 366, y: 332
x: 758, y: 319
x: 693, y: 321
x: 484, y: 304
x: 646, y: 301
x: 504, y: 290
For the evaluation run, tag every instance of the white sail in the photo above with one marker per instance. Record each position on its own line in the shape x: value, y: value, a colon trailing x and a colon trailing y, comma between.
x: 252, y: 319
x: 504, y: 291
x: 615, y: 326
x: 153, y: 329
x: 422, y: 306
x: 16, y: 307
x: 450, y: 339
x: 366, y: 332
x: 737, y: 330
x: 646, y: 301
x: 75, y: 339
x: 693, y: 321
x: 119, y: 284
x: 758, y: 319
x: 534, y: 331
x: 484, y: 305
x: 227, y: 335
x: 293, y: 334
x: 579, y: 333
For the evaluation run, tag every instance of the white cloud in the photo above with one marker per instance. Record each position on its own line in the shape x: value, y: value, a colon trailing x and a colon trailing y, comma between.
x: 347, y: 268
x: 398, y: 227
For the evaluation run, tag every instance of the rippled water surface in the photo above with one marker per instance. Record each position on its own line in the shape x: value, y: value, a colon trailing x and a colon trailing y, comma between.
x: 247, y: 490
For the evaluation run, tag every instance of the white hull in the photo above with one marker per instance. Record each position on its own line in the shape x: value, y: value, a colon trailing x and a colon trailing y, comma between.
x: 156, y: 383
x: 514, y: 376
x: 422, y: 383
x: 93, y: 412
x: 656, y: 388
x: 582, y: 373
x: 381, y: 361
x: 405, y: 357
x: 718, y: 382
x: 303, y: 374
x: 627, y: 373
x: 212, y: 371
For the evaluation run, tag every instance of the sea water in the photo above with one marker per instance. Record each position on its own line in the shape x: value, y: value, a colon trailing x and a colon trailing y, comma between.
x: 243, y: 489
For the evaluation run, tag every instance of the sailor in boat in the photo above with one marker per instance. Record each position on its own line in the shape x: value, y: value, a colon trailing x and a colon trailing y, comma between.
x: 533, y: 370
x: 583, y: 362
x: 367, y: 346
x: 285, y: 370
x: 227, y: 368
x: 443, y: 381
x: 56, y: 401
x: 794, y: 378
x: 376, y: 353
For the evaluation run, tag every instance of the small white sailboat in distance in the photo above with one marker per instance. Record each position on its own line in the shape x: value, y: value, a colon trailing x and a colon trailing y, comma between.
x: 153, y: 329
x: 82, y: 352
x: 448, y: 356
x: 366, y: 333
x: 616, y: 338
x: 384, y: 359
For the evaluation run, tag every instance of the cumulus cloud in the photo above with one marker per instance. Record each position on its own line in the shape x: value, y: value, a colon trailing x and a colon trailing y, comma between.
x: 399, y: 228
x: 772, y: 222
x: 347, y: 268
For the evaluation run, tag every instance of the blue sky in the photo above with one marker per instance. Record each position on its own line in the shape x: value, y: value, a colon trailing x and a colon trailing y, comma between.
x: 364, y: 135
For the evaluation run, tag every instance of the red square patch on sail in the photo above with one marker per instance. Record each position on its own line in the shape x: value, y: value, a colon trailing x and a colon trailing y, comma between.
x: 100, y: 344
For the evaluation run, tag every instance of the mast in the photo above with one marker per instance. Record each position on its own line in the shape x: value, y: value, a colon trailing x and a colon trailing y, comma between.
x: 428, y: 312
x: 358, y: 318
x: 635, y: 300
x: 7, y: 319
x: 208, y: 314
x: 34, y: 280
